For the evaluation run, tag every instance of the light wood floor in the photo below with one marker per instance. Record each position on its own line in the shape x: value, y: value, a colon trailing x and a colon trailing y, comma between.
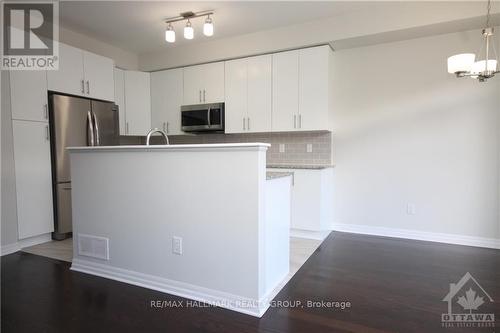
x: 62, y: 250
x: 300, y: 250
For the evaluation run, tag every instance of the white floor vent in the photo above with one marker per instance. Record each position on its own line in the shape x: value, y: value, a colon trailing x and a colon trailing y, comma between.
x: 93, y: 246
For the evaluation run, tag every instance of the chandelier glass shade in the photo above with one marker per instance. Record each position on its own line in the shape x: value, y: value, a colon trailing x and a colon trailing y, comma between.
x: 467, y: 64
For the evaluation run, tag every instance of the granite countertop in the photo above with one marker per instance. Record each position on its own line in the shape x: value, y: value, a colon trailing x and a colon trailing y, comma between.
x: 276, y: 174
x: 299, y: 166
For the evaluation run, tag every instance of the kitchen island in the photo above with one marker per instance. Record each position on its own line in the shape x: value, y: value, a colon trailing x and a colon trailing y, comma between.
x: 197, y: 221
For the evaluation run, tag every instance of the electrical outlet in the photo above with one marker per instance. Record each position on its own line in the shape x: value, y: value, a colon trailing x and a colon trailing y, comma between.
x: 177, y: 245
x: 309, y: 148
x: 411, y: 209
x: 282, y: 147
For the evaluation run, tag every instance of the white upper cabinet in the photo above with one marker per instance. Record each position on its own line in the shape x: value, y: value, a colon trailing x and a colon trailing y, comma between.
x: 137, y: 103
x: 119, y: 76
x: 28, y: 91
x: 204, y: 83
x: 259, y: 93
x: 33, y: 178
x: 314, y: 85
x: 285, y: 91
x: 82, y: 73
x: 301, y: 89
x: 248, y: 95
x: 69, y: 78
x: 166, y: 100
x: 236, y: 112
x: 98, y: 76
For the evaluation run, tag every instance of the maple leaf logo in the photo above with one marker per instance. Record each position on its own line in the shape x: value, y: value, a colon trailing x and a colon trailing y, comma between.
x: 470, y: 301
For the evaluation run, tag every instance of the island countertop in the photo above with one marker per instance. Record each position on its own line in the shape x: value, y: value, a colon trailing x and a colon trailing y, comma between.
x: 245, y: 145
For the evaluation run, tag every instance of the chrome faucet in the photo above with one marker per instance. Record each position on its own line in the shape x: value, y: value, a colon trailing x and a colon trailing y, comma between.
x: 156, y: 130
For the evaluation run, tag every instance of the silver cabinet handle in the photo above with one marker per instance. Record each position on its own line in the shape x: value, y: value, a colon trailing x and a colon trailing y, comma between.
x: 300, y: 121
x: 244, y: 127
x: 294, y: 121
x: 47, y: 132
x: 200, y: 95
x: 88, y: 87
x: 126, y: 128
x: 83, y: 87
x: 90, y: 130
x: 248, y: 123
x: 167, y: 128
x: 204, y: 93
x: 164, y: 127
x: 45, y: 111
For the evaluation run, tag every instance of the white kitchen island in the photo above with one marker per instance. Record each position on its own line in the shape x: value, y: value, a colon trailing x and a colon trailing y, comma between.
x: 197, y: 221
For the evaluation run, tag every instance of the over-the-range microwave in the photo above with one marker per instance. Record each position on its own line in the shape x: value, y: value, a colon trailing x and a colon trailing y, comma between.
x: 202, y: 117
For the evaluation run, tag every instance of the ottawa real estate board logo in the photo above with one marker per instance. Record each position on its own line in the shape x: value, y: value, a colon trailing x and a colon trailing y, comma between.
x: 468, y: 303
x: 30, y: 34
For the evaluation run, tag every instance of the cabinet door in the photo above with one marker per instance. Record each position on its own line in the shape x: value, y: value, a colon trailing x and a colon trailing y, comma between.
x: 28, y: 93
x: 285, y: 90
x: 166, y: 100
x: 98, y: 76
x: 193, y: 81
x: 138, y: 103
x: 119, y: 78
x: 236, y: 96
x: 306, y: 200
x: 313, y: 88
x: 69, y: 77
x: 259, y: 94
x: 213, y: 82
x: 33, y: 178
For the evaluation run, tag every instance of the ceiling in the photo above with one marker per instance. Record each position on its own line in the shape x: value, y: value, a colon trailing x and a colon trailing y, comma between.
x: 137, y: 26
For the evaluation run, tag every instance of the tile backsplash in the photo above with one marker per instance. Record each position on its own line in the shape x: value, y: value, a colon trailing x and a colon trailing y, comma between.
x: 295, y: 145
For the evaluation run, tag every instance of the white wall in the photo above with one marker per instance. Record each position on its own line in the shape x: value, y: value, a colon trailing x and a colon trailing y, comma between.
x: 406, y: 131
x: 123, y: 59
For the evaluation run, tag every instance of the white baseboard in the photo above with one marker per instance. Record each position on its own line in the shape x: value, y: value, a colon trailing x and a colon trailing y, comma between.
x: 318, y: 235
x: 252, y: 307
x: 27, y: 242
x: 10, y: 248
x: 491, y: 243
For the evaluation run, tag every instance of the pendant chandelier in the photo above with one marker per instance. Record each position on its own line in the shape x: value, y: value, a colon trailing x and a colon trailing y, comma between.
x: 466, y: 65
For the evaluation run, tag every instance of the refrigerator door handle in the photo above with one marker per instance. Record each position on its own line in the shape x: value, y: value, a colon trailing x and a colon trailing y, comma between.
x: 90, y: 130
x: 96, y: 127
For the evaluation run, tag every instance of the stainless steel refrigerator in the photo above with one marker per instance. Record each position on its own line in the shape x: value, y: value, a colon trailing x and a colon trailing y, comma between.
x: 75, y: 122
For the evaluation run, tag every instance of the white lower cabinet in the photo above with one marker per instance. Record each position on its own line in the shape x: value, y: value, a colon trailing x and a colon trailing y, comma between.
x: 33, y: 178
x: 312, y: 199
x: 166, y: 100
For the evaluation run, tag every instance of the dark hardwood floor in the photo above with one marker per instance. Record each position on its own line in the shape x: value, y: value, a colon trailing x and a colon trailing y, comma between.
x: 393, y: 285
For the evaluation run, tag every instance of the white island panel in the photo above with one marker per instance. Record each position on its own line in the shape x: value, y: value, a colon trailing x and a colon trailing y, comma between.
x: 212, y: 196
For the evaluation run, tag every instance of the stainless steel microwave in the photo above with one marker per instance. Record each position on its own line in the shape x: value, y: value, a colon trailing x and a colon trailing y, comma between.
x: 202, y: 117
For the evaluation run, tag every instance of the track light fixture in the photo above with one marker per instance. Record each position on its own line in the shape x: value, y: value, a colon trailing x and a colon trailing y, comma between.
x: 208, y: 25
